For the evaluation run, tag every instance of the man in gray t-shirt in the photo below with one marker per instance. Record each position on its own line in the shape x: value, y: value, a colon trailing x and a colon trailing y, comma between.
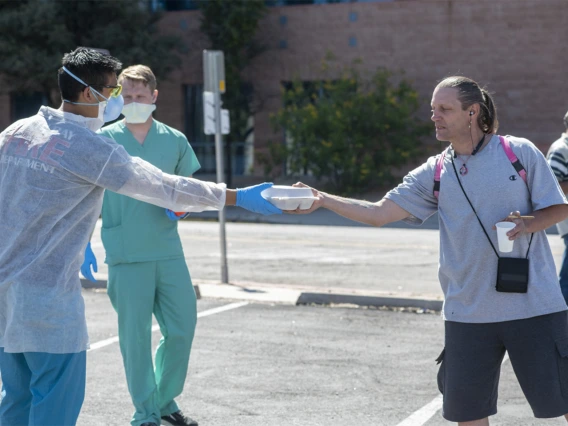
x: 558, y: 160
x: 484, y: 179
x: 54, y: 169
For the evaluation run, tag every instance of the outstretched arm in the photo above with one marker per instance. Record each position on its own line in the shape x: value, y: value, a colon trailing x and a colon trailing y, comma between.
x: 143, y: 181
x: 375, y: 214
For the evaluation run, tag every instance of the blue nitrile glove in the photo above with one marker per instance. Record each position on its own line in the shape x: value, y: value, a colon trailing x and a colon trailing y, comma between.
x: 90, y: 260
x: 176, y: 215
x: 249, y: 198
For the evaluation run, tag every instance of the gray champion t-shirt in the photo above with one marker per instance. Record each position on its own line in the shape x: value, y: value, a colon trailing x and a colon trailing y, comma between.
x: 468, y: 264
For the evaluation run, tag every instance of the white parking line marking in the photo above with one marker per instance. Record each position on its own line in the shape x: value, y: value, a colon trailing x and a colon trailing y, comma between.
x: 110, y: 341
x: 420, y: 417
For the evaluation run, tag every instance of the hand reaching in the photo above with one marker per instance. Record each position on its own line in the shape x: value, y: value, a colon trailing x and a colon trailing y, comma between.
x: 318, y: 202
x: 249, y: 198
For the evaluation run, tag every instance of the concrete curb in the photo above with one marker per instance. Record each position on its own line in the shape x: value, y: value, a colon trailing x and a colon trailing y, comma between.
x: 295, y: 295
x: 102, y: 284
x: 362, y: 300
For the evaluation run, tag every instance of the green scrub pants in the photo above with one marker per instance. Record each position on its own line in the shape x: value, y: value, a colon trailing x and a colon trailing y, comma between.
x: 164, y: 288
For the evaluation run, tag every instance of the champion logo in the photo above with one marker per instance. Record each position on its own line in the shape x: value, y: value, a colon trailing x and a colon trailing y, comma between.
x: 513, y: 177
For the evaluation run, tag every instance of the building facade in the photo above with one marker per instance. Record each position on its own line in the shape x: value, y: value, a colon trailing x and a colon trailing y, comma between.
x: 516, y: 48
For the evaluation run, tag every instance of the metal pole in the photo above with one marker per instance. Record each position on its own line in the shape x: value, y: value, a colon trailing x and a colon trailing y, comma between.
x: 220, y: 178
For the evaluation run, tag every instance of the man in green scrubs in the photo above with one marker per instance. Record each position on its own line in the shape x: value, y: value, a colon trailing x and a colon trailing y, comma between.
x: 147, y: 270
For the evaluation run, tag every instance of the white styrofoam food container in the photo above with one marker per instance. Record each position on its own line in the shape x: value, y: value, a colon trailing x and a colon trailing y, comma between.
x: 289, y: 197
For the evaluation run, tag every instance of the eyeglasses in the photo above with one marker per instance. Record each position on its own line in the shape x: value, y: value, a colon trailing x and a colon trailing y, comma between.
x: 116, y: 90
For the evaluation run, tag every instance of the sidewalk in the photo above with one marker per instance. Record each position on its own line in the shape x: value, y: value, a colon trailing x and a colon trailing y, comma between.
x: 296, y: 295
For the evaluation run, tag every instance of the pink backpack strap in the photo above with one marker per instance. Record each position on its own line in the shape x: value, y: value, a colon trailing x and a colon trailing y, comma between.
x: 513, y: 158
x: 508, y: 151
x: 438, y: 172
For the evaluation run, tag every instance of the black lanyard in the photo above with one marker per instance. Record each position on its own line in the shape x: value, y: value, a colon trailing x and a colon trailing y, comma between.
x: 478, y: 219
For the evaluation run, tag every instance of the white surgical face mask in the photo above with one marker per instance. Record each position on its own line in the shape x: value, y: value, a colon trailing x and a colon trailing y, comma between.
x: 135, y: 112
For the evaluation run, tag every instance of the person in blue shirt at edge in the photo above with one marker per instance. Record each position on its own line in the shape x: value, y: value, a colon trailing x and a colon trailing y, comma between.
x: 146, y: 263
x: 486, y: 313
x: 54, y: 169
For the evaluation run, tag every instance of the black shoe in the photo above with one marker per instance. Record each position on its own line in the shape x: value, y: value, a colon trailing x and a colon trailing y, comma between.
x: 178, y: 419
x: 149, y: 424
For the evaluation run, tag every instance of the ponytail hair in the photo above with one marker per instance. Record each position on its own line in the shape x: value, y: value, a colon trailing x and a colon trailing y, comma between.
x: 470, y: 93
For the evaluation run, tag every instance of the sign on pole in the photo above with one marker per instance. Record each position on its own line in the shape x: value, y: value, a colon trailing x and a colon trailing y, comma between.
x: 209, y: 116
x: 213, y: 71
x: 208, y: 113
x: 225, y: 122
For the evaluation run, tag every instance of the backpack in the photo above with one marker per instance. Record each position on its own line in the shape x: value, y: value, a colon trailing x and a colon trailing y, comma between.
x: 508, y: 151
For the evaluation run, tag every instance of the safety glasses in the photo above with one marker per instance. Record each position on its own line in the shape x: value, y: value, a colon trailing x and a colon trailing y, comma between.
x: 116, y: 90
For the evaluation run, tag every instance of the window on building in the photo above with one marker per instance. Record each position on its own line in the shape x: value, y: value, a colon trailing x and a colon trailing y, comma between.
x: 25, y: 105
x: 204, y: 145
x: 288, y: 2
x: 314, y: 89
x: 173, y: 5
x: 302, y: 2
x: 194, y: 112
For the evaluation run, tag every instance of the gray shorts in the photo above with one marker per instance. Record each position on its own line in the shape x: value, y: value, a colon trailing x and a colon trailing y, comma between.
x: 471, y: 363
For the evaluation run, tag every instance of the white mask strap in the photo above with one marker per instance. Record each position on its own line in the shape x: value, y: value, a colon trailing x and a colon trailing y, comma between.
x: 75, y: 77
x: 82, y: 82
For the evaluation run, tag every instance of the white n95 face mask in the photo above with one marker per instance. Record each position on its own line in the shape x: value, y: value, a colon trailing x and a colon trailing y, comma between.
x: 96, y: 123
x: 109, y: 109
x: 113, y: 107
x: 103, y: 116
x: 135, y: 112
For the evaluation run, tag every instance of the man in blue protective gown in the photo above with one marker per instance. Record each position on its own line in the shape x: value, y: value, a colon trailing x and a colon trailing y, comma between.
x: 53, y: 172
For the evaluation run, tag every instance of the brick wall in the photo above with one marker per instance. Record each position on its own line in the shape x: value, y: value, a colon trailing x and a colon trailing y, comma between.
x: 170, y: 104
x: 517, y: 48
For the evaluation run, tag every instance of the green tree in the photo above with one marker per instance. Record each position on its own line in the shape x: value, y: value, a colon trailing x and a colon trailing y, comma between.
x: 231, y: 27
x: 350, y: 131
x: 35, y: 35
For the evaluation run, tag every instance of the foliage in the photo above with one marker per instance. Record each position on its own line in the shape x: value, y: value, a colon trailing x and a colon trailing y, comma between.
x: 231, y: 27
x: 350, y: 131
x: 35, y: 35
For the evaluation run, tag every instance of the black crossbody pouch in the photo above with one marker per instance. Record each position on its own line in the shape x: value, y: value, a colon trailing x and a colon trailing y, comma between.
x: 512, y: 272
x: 512, y: 275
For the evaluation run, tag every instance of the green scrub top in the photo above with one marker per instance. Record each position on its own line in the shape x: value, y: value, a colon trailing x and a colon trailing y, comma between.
x: 134, y: 231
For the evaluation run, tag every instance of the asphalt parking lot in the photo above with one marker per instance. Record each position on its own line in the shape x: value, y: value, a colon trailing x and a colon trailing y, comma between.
x: 274, y: 364
x: 262, y: 360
